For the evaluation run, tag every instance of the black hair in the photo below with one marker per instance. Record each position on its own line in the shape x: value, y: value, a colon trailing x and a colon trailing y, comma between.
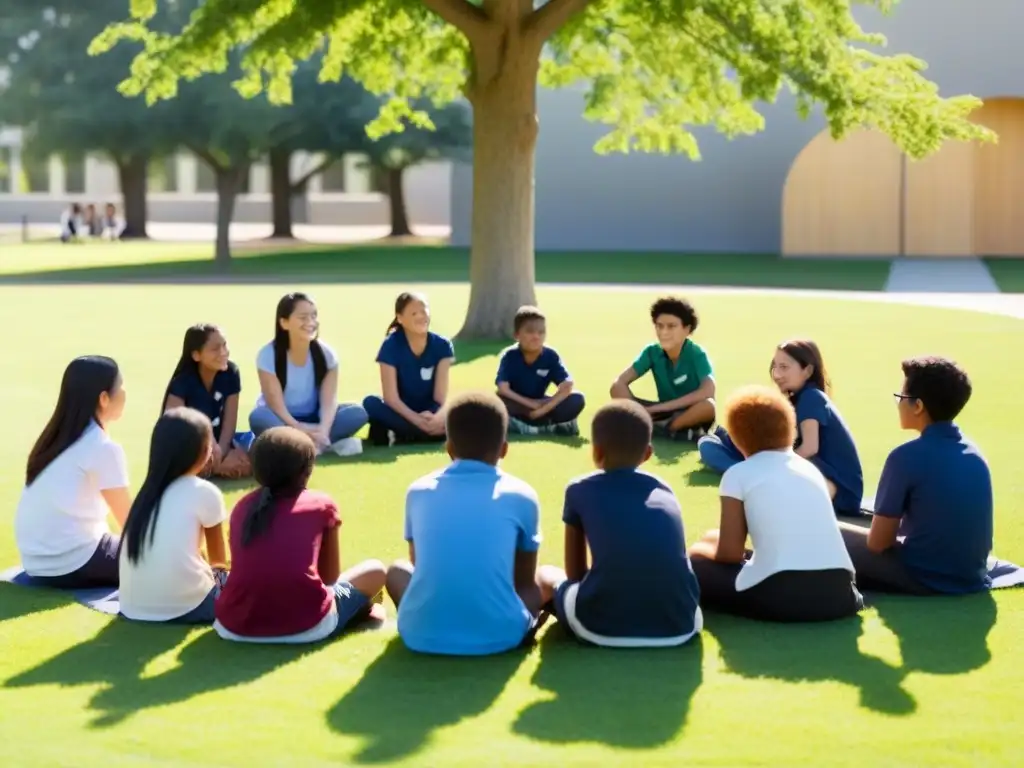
x: 676, y: 307
x: 404, y: 299
x: 85, y: 379
x: 941, y: 385
x: 806, y: 353
x: 622, y: 429
x: 195, y: 339
x: 181, y: 437
x: 285, y: 308
x: 477, y: 425
x: 282, y: 463
x: 525, y: 315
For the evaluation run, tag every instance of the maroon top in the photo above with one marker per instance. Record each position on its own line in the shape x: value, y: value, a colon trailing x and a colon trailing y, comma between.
x: 274, y: 588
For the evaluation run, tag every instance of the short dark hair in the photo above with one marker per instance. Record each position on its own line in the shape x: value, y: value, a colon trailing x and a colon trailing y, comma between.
x: 760, y: 419
x: 477, y: 425
x: 941, y: 385
x: 526, y: 314
x: 622, y: 429
x: 681, y: 308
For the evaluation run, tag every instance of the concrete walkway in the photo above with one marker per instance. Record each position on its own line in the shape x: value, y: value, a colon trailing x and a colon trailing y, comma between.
x: 940, y: 275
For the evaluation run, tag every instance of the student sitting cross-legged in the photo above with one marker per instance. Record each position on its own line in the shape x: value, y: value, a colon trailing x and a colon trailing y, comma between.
x: 822, y: 435
x: 207, y: 380
x: 799, y: 569
x: 414, y: 366
x: 299, y: 382
x: 525, y: 372
x: 470, y: 586
x: 286, y: 584
x: 164, y: 576
x: 682, y: 373
x: 639, y: 590
x: 932, y: 528
x: 76, y: 478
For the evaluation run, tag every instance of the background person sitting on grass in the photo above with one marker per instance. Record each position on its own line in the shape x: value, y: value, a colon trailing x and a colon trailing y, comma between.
x: 798, y: 569
x: 76, y: 477
x: 525, y: 372
x: 682, y: 373
x: 932, y: 528
x: 164, y: 577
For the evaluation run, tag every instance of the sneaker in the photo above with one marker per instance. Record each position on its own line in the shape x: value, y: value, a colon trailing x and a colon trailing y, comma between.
x: 566, y: 429
x: 348, y: 446
x: 517, y: 427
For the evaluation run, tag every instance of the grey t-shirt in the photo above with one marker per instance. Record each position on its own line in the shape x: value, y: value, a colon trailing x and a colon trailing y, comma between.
x: 301, y: 397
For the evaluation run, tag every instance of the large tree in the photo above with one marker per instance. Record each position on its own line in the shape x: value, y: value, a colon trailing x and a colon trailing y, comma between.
x: 656, y: 68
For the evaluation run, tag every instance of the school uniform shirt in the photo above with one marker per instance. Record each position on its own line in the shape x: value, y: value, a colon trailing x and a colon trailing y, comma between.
x: 837, y: 456
x: 467, y: 522
x: 301, y: 394
x: 634, y: 529
x: 172, y: 578
x: 190, y: 388
x: 940, y: 487
x: 789, y: 514
x: 415, y: 374
x: 674, y: 380
x: 274, y: 589
x: 62, y: 515
x: 531, y: 379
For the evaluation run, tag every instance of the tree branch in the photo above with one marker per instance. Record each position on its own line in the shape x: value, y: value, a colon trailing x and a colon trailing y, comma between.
x: 552, y: 16
x: 318, y: 168
x: 204, y: 155
x: 462, y: 15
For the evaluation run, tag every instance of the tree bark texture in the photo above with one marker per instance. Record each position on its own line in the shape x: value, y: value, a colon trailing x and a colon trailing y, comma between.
x: 133, y: 177
x: 396, y: 200
x: 281, y: 191
x: 229, y: 182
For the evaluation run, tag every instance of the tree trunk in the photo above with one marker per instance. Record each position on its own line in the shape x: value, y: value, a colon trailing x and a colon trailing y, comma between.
x: 133, y: 177
x: 396, y: 201
x: 504, y: 138
x: 229, y: 183
x: 280, y: 161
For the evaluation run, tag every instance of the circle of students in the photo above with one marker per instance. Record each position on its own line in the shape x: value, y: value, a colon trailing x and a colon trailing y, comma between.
x: 472, y: 584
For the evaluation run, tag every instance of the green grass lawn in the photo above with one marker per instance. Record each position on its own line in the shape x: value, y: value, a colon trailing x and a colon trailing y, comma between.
x: 158, y: 261
x: 911, y: 682
x: 1008, y: 274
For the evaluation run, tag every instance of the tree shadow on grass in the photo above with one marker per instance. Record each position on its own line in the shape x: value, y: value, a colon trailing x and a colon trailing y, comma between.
x: 404, y: 697
x: 703, y: 477
x: 17, y: 601
x: 385, y: 455
x: 118, y: 655
x: 668, y: 451
x: 632, y: 699
x: 812, y: 652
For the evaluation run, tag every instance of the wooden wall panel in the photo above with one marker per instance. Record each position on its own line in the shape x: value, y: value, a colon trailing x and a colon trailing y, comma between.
x: 999, y: 181
x: 939, y: 204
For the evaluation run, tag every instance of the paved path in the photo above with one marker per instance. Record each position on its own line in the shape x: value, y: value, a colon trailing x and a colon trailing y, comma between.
x: 940, y: 275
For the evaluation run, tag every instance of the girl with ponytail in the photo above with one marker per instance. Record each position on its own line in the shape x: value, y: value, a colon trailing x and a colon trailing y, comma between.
x: 286, y: 583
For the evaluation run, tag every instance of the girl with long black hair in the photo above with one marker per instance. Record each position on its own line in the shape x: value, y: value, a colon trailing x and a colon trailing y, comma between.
x: 299, y: 382
x: 76, y: 477
x: 207, y: 380
x: 164, y: 576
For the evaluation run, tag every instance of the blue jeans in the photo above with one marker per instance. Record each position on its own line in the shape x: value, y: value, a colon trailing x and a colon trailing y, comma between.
x: 348, y: 420
x: 718, y: 451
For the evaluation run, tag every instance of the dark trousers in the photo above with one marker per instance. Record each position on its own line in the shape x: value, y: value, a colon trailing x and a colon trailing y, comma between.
x: 102, y: 569
x: 384, y: 418
x: 564, y: 412
x: 879, y: 571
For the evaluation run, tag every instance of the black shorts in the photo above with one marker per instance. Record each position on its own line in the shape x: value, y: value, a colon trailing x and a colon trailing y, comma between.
x: 102, y: 569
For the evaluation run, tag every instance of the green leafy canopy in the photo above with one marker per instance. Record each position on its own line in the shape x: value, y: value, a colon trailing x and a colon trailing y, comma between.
x: 656, y: 68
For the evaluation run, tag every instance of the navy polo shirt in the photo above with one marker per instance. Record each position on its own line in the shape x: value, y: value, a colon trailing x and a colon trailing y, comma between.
x: 640, y: 582
x: 837, y: 456
x: 940, y: 487
x: 190, y: 388
x: 531, y: 379
x: 415, y: 374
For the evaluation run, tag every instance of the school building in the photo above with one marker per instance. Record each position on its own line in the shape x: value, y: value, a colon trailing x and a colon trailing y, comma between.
x: 791, y: 188
x: 182, y: 189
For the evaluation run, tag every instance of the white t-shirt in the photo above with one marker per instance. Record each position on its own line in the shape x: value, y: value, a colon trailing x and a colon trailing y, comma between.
x: 172, y: 578
x: 301, y: 396
x: 790, y: 519
x: 62, y: 515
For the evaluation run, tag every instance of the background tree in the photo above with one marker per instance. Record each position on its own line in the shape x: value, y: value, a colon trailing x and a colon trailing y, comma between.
x: 655, y: 68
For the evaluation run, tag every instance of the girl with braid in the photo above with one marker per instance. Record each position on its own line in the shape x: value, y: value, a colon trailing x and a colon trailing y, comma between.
x: 286, y: 584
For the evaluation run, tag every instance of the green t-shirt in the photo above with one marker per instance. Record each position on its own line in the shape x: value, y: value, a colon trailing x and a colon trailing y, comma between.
x: 674, y: 381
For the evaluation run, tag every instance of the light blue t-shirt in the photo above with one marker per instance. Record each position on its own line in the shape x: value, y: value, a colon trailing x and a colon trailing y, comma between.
x: 301, y: 397
x: 466, y: 523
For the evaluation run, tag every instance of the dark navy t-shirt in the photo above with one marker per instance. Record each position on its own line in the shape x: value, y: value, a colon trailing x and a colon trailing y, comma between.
x: 941, y: 488
x: 415, y: 374
x: 530, y: 379
x: 837, y: 456
x: 640, y: 582
x: 190, y: 388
